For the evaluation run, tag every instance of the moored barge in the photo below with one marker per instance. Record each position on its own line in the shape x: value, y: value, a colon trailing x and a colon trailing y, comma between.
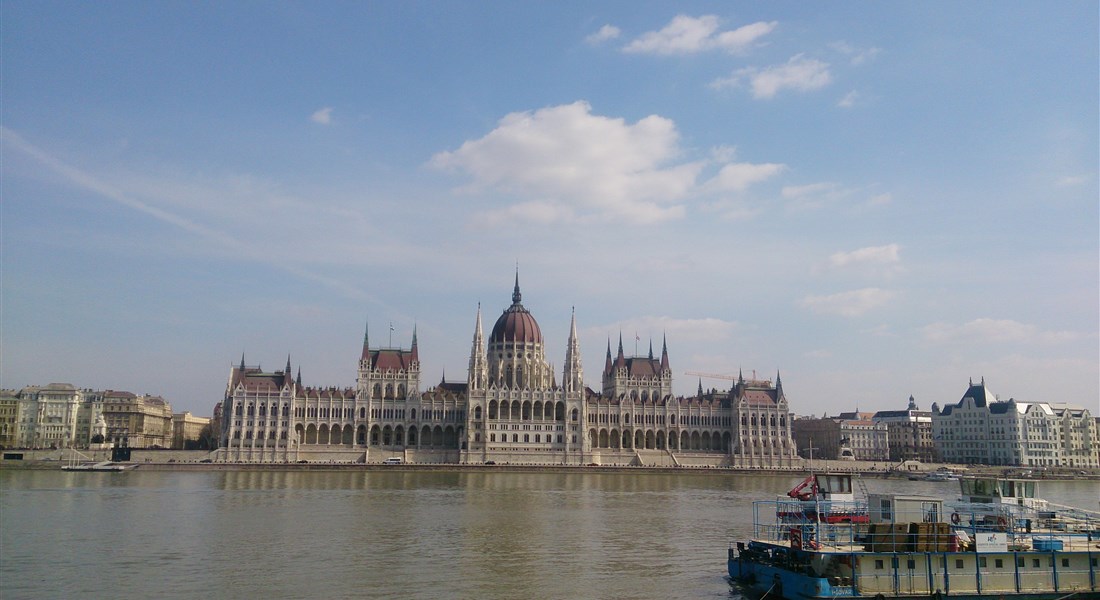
x: 999, y: 541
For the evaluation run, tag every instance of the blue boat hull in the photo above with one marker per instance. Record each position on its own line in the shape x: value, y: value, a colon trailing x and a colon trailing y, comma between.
x: 767, y: 582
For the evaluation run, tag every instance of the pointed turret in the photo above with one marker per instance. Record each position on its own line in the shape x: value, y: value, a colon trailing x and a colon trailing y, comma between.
x: 572, y: 376
x: 699, y: 392
x: 620, y: 360
x: 298, y: 380
x: 366, y: 342
x: 778, y: 385
x: 242, y: 361
x: 607, y: 363
x: 664, y: 354
x: 516, y: 296
x: 415, y: 353
x: 651, y: 349
x: 478, y: 375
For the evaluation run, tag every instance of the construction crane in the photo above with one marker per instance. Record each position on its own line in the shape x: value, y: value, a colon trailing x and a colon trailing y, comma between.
x: 726, y: 377
x: 712, y: 375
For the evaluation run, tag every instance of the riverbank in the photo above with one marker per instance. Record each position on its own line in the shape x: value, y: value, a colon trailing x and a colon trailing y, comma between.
x: 184, y: 460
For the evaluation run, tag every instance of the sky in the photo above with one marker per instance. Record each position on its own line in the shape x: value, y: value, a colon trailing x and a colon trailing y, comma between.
x: 872, y: 199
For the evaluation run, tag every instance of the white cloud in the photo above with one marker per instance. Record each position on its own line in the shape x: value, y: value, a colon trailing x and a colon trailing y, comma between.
x: 799, y: 73
x: 986, y: 330
x: 607, y: 32
x: 681, y: 332
x: 736, y: 177
x: 564, y: 158
x: 880, y: 200
x: 848, y: 304
x: 322, y: 116
x: 856, y: 56
x: 1073, y: 180
x: 688, y: 35
x: 810, y: 189
x: 873, y: 255
x: 849, y: 99
x: 813, y: 196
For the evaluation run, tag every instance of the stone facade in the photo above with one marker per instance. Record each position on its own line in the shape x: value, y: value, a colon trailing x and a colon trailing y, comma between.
x: 135, y: 421
x: 187, y: 430
x: 909, y: 433
x: 511, y: 409
x: 979, y: 429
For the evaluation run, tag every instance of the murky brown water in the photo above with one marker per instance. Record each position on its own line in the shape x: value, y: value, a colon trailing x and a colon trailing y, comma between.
x: 387, y: 534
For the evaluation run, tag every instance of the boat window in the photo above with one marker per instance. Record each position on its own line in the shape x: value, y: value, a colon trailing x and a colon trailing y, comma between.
x: 1029, y: 489
x: 878, y: 564
x: 1065, y: 562
x: 885, y: 510
x: 981, y: 562
x: 1035, y: 563
x: 999, y: 563
x: 958, y: 563
x: 834, y: 484
x: 983, y: 487
x: 931, y: 512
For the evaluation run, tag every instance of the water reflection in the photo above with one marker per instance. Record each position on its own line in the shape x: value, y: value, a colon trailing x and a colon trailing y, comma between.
x: 385, y: 534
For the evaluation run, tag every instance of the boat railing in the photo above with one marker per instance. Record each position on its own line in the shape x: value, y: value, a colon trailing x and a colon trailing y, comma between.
x: 842, y: 525
x: 1025, y: 527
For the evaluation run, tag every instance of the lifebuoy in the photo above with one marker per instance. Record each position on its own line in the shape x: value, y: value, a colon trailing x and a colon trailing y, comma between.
x: 955, y: 518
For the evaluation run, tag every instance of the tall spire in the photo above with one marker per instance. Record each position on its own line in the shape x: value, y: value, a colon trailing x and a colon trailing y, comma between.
x: 573, y: 377
x: 516, y: 296
x: 664, y: 353
x: 478, y: 375
x: 287, y: 370
x: 366, y: 342
x: 607, y: 363
x: 651, y: 349
x: 242, y: 360
x: 415, y: 353
x: 298, y: 381
x: 779, y: 386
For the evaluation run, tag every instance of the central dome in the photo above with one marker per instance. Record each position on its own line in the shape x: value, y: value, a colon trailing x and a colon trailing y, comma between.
x: 516, y: 324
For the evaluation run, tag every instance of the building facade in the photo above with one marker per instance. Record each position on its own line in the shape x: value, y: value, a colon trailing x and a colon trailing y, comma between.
x: 979, y: 429
x: 909, y: 433
x: 510, y: 409
x: 10, y: 417
x: 187, y: 431
x: 135, y: 421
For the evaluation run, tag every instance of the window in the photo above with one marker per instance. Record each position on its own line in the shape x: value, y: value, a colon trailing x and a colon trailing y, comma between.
x: 1035, y: 563
x: 958, y: 563
x: 878, y: 564
x: 1065, y: 562
x: 998, y: 563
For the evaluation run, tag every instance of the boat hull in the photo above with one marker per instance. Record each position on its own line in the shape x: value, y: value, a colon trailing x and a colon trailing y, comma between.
x: 759, y: 581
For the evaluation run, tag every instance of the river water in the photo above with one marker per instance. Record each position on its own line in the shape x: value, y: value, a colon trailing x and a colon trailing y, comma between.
x: 389, y: 534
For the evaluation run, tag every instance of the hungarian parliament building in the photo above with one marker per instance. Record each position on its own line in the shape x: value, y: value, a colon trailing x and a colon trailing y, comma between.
x: 511, y: 409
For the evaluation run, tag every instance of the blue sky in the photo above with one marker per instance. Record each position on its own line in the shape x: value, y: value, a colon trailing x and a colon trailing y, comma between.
x: 875, y: 199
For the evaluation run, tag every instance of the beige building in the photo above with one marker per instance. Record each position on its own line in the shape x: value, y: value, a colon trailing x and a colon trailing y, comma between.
x: 137, y: 421
x: 187, y: 428
x: 512, y: 408
x: 9, y: 419
x: 980, y: 429
x: 909, y: 433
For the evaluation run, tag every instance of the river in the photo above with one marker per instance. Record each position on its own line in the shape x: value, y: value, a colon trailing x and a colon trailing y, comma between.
x: 389, y: 534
